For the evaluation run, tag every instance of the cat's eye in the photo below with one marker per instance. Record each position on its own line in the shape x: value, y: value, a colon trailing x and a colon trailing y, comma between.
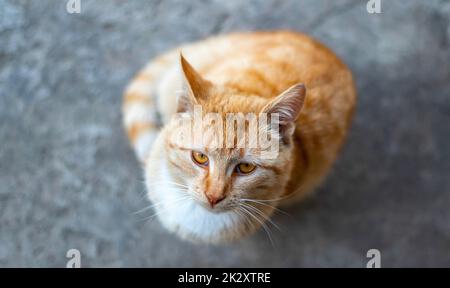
x: 245, y: 168
x: 200, y: 158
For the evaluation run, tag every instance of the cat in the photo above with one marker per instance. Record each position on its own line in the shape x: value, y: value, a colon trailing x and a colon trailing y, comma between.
x: 221, y: 195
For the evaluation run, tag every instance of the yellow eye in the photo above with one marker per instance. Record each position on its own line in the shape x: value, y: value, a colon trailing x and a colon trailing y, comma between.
x: 200, y: 158
x: 245, y: 168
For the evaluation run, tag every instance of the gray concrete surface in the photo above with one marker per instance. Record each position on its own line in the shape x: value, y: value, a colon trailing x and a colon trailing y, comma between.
x: 69, y: 180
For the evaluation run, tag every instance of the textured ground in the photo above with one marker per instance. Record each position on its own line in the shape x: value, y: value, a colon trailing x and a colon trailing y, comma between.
x: 69, y: 180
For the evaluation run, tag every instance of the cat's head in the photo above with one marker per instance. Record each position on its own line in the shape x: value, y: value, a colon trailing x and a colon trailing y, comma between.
x: 227, y: 177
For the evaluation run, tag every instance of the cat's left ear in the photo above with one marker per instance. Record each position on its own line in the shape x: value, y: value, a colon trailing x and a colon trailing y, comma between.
x: 288, y: 106
x: 195, y: 87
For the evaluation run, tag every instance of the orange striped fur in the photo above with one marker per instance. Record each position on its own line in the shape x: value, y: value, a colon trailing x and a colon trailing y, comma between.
x: 248, y: 73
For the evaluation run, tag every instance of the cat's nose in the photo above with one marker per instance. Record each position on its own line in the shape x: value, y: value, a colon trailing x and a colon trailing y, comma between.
x: 213, y: 200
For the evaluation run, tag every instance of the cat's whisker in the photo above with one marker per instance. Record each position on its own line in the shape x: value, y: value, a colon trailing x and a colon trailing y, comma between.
x: 169, y: 183
x: 248, y: 216
x: 152, y: 205
x: 197, y: 198
x: 142, y: 195
x: 262, y: 224
x: 155, y: 205
x: 265, y: 204
x: 264, y: 216
x: 242, y: 217
x: 143, y: 209
x: 158, y: 213
x: 179, y: 185
x: 277, y: 199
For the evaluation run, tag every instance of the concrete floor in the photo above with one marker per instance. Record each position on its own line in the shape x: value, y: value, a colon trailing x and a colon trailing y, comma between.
x: 69, y: 180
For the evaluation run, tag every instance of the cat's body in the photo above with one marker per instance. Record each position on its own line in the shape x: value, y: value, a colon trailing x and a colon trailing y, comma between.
x: 247, y: 71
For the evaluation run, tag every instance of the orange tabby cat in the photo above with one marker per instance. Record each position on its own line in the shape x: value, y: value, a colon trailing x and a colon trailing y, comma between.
x: 222, y: 194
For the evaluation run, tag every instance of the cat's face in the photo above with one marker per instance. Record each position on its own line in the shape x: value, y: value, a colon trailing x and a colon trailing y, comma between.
x: 213, y: 192
x: 214, y: 195
x: 226, y: 179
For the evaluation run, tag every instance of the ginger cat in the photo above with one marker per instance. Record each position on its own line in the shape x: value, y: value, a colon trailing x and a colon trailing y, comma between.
x: 222, y: 194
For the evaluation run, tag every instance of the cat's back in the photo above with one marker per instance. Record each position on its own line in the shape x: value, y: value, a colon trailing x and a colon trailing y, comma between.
x: 261, y: 63
x: 265, y: 63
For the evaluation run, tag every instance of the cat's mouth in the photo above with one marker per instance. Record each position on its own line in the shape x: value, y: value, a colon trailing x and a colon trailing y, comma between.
x: 213, y: 209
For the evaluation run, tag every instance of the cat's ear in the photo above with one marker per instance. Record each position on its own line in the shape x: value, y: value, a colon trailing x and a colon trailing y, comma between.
x: 288, y: 106
x: 194, y: 87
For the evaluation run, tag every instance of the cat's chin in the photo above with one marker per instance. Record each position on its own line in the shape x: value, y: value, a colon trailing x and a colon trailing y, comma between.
x: 198, y: 223
x: 190, y: 219
x: 215, y: 210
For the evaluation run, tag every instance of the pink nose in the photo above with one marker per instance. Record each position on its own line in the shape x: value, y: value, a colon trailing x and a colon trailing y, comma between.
x: 213, y: 200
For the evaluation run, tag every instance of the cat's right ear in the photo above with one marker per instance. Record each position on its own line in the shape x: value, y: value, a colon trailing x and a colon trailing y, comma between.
x: 194, y: 87
x: 288, y: 106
